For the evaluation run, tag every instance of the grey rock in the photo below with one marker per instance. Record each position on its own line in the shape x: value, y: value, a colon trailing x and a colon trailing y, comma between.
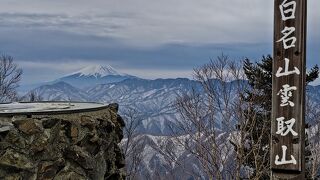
x: 5, y: 128
x: 68, y: 146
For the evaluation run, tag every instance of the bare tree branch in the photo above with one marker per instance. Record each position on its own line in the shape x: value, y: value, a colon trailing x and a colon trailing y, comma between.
x: 10, y: 76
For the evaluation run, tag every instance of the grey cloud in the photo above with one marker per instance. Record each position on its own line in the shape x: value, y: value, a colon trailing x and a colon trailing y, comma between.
x: 144, y: 22
x: 150, y: 23
x: 40, y: 45
x: 94, y: 25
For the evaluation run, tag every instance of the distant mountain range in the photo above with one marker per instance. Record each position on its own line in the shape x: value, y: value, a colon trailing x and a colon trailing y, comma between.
x: 154, y: 101
x: 152, y: 98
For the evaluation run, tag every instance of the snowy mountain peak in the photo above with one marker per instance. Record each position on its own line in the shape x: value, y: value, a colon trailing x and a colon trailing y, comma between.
x: 98, y: 71
x: 93, y: 75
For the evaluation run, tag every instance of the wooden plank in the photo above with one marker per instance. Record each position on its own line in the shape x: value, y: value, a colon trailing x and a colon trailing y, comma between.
x: 296, y: 56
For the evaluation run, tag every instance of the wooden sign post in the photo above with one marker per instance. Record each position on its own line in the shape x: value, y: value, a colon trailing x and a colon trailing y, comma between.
x: 288, y: 95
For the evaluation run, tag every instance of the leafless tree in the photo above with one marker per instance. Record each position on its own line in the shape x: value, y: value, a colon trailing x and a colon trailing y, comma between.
x: 214, y: 122
x: 34, y: 97
x: 132, y: 144
x: 313, y: 141
x: 10, y: 75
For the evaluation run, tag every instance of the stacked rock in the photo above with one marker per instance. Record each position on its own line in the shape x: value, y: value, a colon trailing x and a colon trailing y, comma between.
x: 63, y: 144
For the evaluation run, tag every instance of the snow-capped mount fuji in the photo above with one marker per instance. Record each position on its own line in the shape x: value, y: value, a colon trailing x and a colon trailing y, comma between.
x: 93, y: 75
x: 98, y: 71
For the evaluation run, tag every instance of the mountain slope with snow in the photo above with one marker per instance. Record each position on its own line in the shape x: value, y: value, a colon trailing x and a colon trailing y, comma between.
x: 59, y: 91
x: 167, y: 157
x: 153, y: 99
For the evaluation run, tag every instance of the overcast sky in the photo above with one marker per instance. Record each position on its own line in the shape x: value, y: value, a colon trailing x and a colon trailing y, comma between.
x: 146, y: 38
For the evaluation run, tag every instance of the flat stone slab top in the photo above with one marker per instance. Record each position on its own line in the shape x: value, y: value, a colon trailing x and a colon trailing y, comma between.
x: 49, y: 107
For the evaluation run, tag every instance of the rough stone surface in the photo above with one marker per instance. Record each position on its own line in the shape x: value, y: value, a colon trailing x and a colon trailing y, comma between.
x: 61, y: 147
